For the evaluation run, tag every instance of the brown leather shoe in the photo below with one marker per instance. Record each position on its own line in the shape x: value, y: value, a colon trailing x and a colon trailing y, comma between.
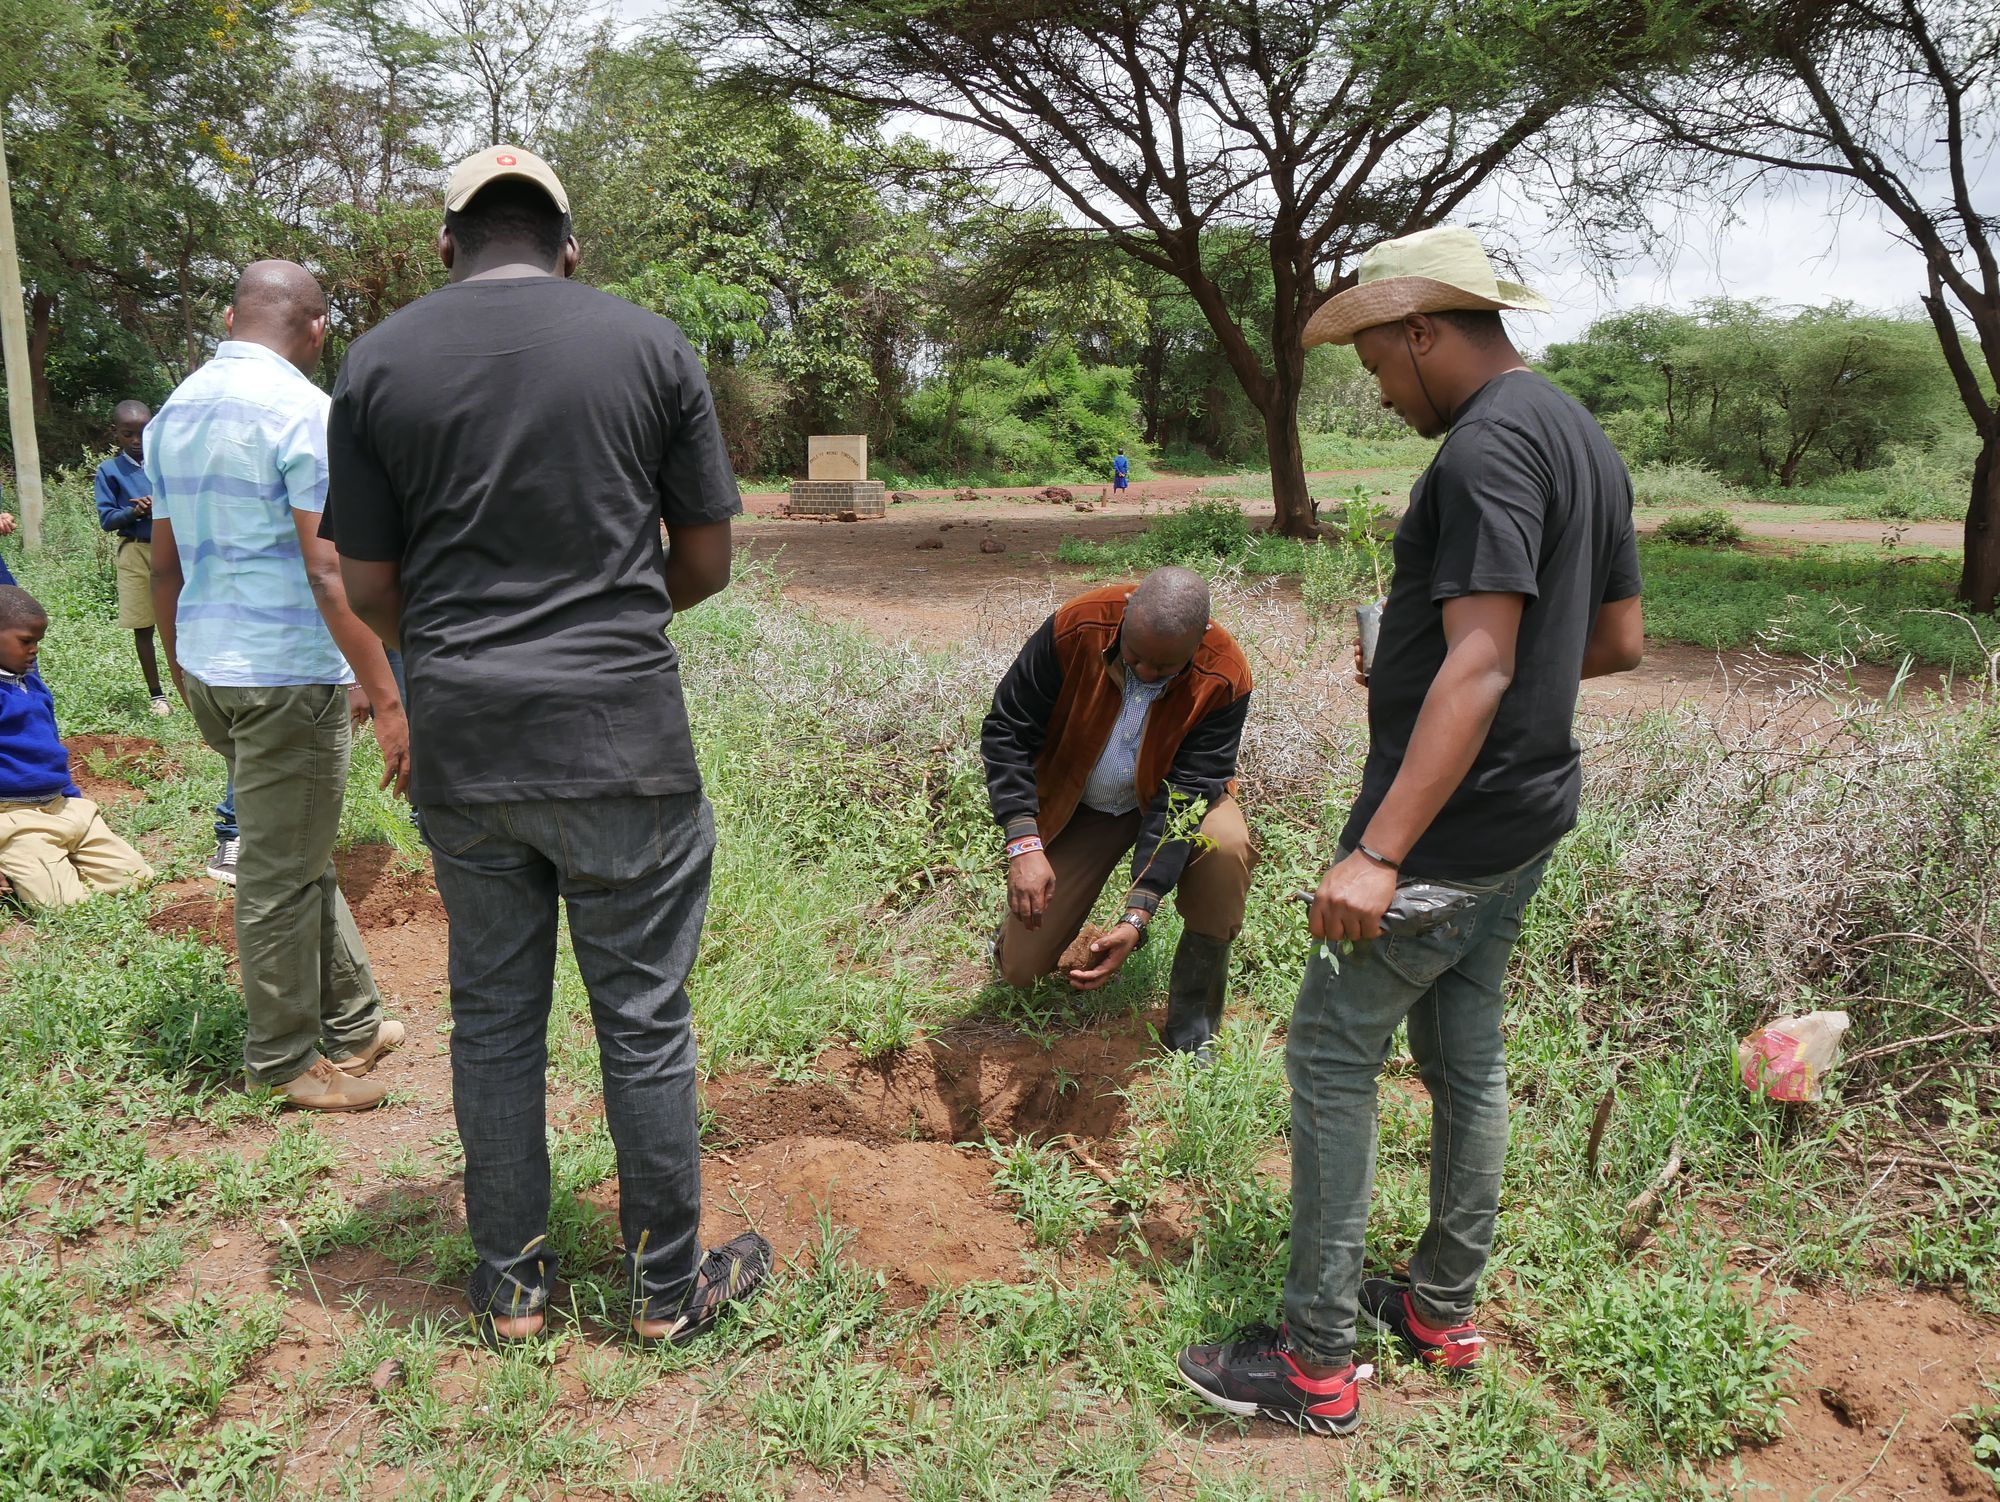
x: 389, y: 1035
x: 324, y: 1088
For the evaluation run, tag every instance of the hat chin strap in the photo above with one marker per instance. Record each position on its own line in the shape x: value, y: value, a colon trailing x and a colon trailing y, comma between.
x: 1417, y: 371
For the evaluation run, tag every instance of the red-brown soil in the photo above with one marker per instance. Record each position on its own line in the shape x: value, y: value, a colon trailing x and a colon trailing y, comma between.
x: 1876, y: 1410
x: 962, y: 1085
x: 104, y: 766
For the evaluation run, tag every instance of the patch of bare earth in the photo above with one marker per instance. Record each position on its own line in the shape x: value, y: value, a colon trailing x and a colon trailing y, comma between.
x: 1875, y: 1411
x: 103, y: 766
x: 890, y: 1151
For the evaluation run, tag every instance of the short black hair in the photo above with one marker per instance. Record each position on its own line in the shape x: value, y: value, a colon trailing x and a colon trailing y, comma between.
x: 1480, y: 326
x: 18, y: 607
x: 509, y: 212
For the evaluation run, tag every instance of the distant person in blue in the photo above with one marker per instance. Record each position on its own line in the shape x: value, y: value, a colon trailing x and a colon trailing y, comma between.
x: 1121, y: 471
x: 125, y: 509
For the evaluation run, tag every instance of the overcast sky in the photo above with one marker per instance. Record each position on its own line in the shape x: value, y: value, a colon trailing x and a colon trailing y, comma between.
x: 1787, y: 247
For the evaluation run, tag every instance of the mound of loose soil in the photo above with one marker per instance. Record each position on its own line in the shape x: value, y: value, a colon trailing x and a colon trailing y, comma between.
x: 924, y: 1213
x: 394, y: 907
x: 959, y: 1086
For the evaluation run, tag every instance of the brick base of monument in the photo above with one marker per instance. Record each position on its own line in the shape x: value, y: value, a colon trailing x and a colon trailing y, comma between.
x: 856, y: 498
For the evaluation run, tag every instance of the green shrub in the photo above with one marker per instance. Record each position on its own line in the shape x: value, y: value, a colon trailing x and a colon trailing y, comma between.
x: 1680, y: 485
x: 1204, y: 532
x: 1917, y: 486
x: 1711, y: 527
x: 1000, y: 423
x: 1701, y: 1363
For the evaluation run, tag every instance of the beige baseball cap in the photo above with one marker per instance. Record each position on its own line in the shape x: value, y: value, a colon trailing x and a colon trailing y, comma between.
x: 498, y: 164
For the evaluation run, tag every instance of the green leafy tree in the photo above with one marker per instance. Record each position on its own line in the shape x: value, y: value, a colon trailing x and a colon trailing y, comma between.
x: 1313, y: 127
x: 126, y: 203
x: 345, y: 164
x: 1775, y: 398
x: 794, y: 252
x: 1894, y: 102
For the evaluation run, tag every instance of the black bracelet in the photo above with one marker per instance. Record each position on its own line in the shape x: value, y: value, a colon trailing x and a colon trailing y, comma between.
x: 1379, y: 858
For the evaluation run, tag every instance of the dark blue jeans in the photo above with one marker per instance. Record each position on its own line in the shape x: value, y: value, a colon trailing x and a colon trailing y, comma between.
x: 1447, y: 983
x: 634, y: 874
x: 225, y: 811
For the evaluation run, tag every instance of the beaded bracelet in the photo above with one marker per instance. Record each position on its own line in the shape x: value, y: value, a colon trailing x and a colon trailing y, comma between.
x: 1023, y: 845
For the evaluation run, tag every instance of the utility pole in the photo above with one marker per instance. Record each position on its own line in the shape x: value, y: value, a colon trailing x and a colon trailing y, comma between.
x: 20, y: 381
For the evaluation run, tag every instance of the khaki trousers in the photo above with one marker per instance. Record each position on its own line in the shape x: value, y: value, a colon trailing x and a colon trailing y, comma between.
x: 59, y: 852
x: 134, y: 571
x: 306, y: 982
x: 1213, y: 888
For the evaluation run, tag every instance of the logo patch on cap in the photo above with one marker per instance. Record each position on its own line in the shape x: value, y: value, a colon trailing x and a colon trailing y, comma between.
x: 505, y: 159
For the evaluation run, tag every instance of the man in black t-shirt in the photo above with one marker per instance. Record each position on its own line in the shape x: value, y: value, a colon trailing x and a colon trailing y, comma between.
x: 503, y: 455
x: 1517, y: 576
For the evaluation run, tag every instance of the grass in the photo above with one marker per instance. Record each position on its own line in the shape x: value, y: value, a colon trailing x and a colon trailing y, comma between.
x: 854, y: 894
x: 1841, y: 602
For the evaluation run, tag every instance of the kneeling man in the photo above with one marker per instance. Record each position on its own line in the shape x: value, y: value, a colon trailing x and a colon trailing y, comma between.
x: 1121, y: 718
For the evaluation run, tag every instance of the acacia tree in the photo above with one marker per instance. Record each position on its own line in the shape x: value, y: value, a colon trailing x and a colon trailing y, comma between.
x: 1316, y: 126
x: 1896, y: 101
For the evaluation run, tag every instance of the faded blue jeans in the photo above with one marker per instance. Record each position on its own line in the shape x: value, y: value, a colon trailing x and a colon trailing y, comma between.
x: 634, y: 874
x: 1447, y: 983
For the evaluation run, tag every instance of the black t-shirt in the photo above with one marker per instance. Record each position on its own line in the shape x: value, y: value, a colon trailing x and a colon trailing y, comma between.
x: 515, y: 445
x: 1526, y: 496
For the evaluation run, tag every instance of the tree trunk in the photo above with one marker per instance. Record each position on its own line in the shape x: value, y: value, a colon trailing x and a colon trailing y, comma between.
x: 41, y: 334
x: 1288, y: 460
x: 1283, y: 443
x: 1152, y: 378
x: 1979, y: 584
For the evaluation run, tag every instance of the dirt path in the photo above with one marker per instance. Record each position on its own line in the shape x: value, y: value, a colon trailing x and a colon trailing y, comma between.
x: 920, y: 575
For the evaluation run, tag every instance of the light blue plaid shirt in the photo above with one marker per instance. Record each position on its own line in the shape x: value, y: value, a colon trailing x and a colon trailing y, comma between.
x: 1113, y: 784
x: 238, y: 447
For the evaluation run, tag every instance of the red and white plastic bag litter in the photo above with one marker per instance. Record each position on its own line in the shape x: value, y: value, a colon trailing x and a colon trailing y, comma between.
x: 1788, y: 1058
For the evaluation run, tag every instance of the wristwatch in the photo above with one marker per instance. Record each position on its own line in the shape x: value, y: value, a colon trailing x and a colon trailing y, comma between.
x: 1138, y: 918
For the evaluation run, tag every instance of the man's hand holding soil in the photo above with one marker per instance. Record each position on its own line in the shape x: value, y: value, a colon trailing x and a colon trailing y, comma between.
x: 1111, y: 949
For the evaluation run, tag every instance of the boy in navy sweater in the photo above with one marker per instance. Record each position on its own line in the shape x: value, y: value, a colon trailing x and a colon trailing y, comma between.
x: 55, y: 848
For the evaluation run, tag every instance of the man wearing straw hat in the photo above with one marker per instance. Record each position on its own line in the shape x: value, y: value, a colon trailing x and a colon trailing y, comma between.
x: 1517, y: 576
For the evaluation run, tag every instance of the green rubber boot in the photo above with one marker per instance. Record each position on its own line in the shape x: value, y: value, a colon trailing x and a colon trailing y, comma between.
x: 1195, y: 993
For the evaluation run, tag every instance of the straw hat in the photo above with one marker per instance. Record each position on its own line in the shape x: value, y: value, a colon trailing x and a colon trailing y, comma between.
x: 1432, y: 271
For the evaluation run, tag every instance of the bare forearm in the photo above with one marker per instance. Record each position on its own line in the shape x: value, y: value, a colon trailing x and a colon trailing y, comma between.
x: 1450, y: 730
x: 1617, y: 638
x: 358, y: 643
x: 166, y: 586
x: 698, y: 561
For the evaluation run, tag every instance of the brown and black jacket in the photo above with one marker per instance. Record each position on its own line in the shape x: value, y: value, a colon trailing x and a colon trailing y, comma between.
x: 1054, y: 711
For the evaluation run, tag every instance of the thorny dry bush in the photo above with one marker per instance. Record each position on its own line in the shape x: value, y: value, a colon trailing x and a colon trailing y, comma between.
x: 1797, y: 846
x: 1802, y: 846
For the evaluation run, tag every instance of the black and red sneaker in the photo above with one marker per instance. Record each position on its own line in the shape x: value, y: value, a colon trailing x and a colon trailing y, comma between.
x: 1255, y: 1373
x: 1386, y: 1304
x: 729, y: 1274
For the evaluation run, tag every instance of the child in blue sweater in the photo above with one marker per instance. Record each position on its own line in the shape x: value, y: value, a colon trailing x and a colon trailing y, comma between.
x: 55, y: 848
